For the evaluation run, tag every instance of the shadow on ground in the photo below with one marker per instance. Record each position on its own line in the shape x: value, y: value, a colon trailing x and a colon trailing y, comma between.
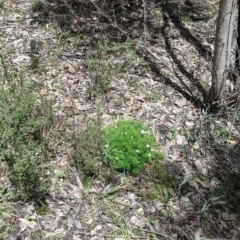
x: 123, y: 20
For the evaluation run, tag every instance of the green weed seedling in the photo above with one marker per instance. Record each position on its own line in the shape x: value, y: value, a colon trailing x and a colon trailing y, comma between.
x: 237, y: 118
x: 61, y: 175
x: 127, y: 145
x: 183, y: 152
x: 152, y: 221
x: 192, y: 139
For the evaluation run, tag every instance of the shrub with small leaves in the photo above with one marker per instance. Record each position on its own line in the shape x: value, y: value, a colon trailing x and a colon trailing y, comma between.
x: 127, y: 145
x: 22, y: 144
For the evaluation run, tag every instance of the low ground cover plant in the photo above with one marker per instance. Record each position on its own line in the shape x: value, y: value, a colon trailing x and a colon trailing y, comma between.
x: 127, y: 145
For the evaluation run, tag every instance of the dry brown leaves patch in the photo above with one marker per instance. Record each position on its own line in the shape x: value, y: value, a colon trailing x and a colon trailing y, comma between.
x: 166, y: 98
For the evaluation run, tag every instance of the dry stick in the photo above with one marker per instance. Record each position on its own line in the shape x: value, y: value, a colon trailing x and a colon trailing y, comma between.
x: 166, y: 148
x: 39, y: 224
x: 148, y: 231
x: 184, y: 84
x: 144, y: 20
x: 107, y: 236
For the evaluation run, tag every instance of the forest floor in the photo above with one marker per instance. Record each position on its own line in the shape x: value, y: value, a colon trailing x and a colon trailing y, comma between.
x: 156, y: 71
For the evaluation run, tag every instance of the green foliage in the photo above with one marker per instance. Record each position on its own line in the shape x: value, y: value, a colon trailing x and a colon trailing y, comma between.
x: 183, y: 152
x: 5, y: 228
x: 127, y: 145
x: 218, y: 129
x: 61, y: 175
x: 237, y: 118
x: 22, y: 144
x: 192, y: 139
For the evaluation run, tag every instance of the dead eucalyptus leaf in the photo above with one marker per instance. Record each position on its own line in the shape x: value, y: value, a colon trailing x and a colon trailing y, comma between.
x: 181, y: 102
x: 76, y: 237
x: 229, y: 217
x: 30, y: 224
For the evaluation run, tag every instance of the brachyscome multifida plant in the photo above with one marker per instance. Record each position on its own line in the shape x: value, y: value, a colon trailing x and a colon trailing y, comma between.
x: 127, y: 145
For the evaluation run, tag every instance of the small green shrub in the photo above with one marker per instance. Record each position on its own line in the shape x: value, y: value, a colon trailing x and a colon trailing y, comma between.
x: 127, y: 145
x: 22, y: 144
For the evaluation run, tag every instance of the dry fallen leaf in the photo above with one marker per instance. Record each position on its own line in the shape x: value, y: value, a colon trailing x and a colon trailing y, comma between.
x: 71, y: 70
x: 96, y: 229
x: 30, y: 224
x: 76, y: 238
x: 181, y: 140
x: 232, y: 142
x: 201, y: 167
x: 229, y: 217
x: 81, y: 107
x: 59, y: 231
x: 181, y: 102
x: 189, y: 124
x: 198, y: 234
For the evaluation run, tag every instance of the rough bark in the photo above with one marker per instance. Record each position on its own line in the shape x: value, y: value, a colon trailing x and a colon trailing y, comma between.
x: 237, y: 59
x: 222, y: 53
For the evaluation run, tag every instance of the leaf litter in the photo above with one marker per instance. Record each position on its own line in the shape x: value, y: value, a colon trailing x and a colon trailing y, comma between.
x: 99, y: 211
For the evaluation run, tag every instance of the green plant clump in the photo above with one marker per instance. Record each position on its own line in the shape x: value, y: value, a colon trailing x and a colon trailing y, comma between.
x: 22, y: 144
x: 127, y: 145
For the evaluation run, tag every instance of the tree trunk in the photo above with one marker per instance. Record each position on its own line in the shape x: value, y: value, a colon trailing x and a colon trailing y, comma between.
x: 222, y: 53
x: 237, y: 58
